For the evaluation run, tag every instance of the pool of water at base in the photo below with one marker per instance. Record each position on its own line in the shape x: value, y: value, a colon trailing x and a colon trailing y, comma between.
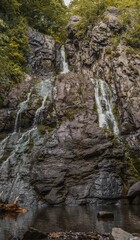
x: 71, y: 218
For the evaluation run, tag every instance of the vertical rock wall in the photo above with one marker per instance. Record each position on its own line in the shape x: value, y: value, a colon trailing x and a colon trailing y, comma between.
x: 64, y: 156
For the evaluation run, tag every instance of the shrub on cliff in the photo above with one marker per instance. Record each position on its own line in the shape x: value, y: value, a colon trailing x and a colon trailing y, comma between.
x: 13, y: 47
x: 91, y: 11
x: 48, y: 16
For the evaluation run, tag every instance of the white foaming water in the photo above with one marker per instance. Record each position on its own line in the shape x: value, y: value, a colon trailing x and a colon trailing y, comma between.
x: 38, y: 114
x: 65, y: 68
x: 105, y: 105
x: 22, y: 107
x: 16, y: 148
x: 44, y: 89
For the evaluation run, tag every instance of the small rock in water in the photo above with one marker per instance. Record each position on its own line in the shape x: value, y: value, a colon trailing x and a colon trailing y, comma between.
x: 105, y: 214
x: 34, y: 234
x: 119, y: 234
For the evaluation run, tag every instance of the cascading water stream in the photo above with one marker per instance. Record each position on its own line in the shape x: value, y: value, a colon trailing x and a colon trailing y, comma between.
x: 23, y: 143
x: 65, y: 68
x: 45, y: 91
x: 38, y: 115
x: 22, y: 107
x: 105, y: 105
x: 19, y: 145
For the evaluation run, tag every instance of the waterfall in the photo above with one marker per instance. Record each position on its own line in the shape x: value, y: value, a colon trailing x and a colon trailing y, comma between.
x: 22, y: 107
x: 44, y: 89
x: 65, y: 68
x: 38, y: 115
x: 105, y: 106
x: 18, y: 147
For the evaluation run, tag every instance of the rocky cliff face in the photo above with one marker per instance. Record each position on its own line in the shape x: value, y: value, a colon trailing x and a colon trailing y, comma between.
x: 100, y: 56
x: 60, y: 144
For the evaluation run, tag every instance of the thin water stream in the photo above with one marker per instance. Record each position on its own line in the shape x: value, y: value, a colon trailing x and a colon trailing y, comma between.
x: 44, y: 89
x: 106, y: 107
x: 65, y: 68
x: 22, y: 107
x: 74, y: 218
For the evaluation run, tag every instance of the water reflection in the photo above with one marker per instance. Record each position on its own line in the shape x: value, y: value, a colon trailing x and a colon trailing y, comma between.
x: 82, y: 218
x: 13, y: 225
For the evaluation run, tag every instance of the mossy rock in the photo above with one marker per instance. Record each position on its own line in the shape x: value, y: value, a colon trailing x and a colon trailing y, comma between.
x: 41, y: 129
x: 133, y: 163
x: 70, y: 114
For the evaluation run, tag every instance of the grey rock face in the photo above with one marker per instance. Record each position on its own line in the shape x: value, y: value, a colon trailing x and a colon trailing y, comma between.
x: 42, y: 53
x: 61, y: 155
x: 99, y: 58
x: 9, y: 108
x: 44, y: 57
x: 73, y: 163
x: 106, y: 185
x: 134, y: 191
x: 71, y: 168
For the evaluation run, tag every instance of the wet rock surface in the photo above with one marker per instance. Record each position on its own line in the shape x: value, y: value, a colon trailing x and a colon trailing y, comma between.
x: 79, y: 154
x: 70, y: 159
x: 97, y: 57
x: 134, y: 192
x: 60, y: 155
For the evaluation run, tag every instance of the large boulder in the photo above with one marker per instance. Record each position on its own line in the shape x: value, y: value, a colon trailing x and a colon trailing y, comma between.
x: 42, y: 53
x: 120, y: 234
x: 134, y: 192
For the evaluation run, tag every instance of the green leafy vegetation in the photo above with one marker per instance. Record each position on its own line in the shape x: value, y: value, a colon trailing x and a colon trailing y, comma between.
x: 51, y: 17
x: 47, y: 16
x: 91, y: 11
x: 13, y: 46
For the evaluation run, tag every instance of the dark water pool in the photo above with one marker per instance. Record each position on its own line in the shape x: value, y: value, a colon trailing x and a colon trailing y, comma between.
x: 74, y: 218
